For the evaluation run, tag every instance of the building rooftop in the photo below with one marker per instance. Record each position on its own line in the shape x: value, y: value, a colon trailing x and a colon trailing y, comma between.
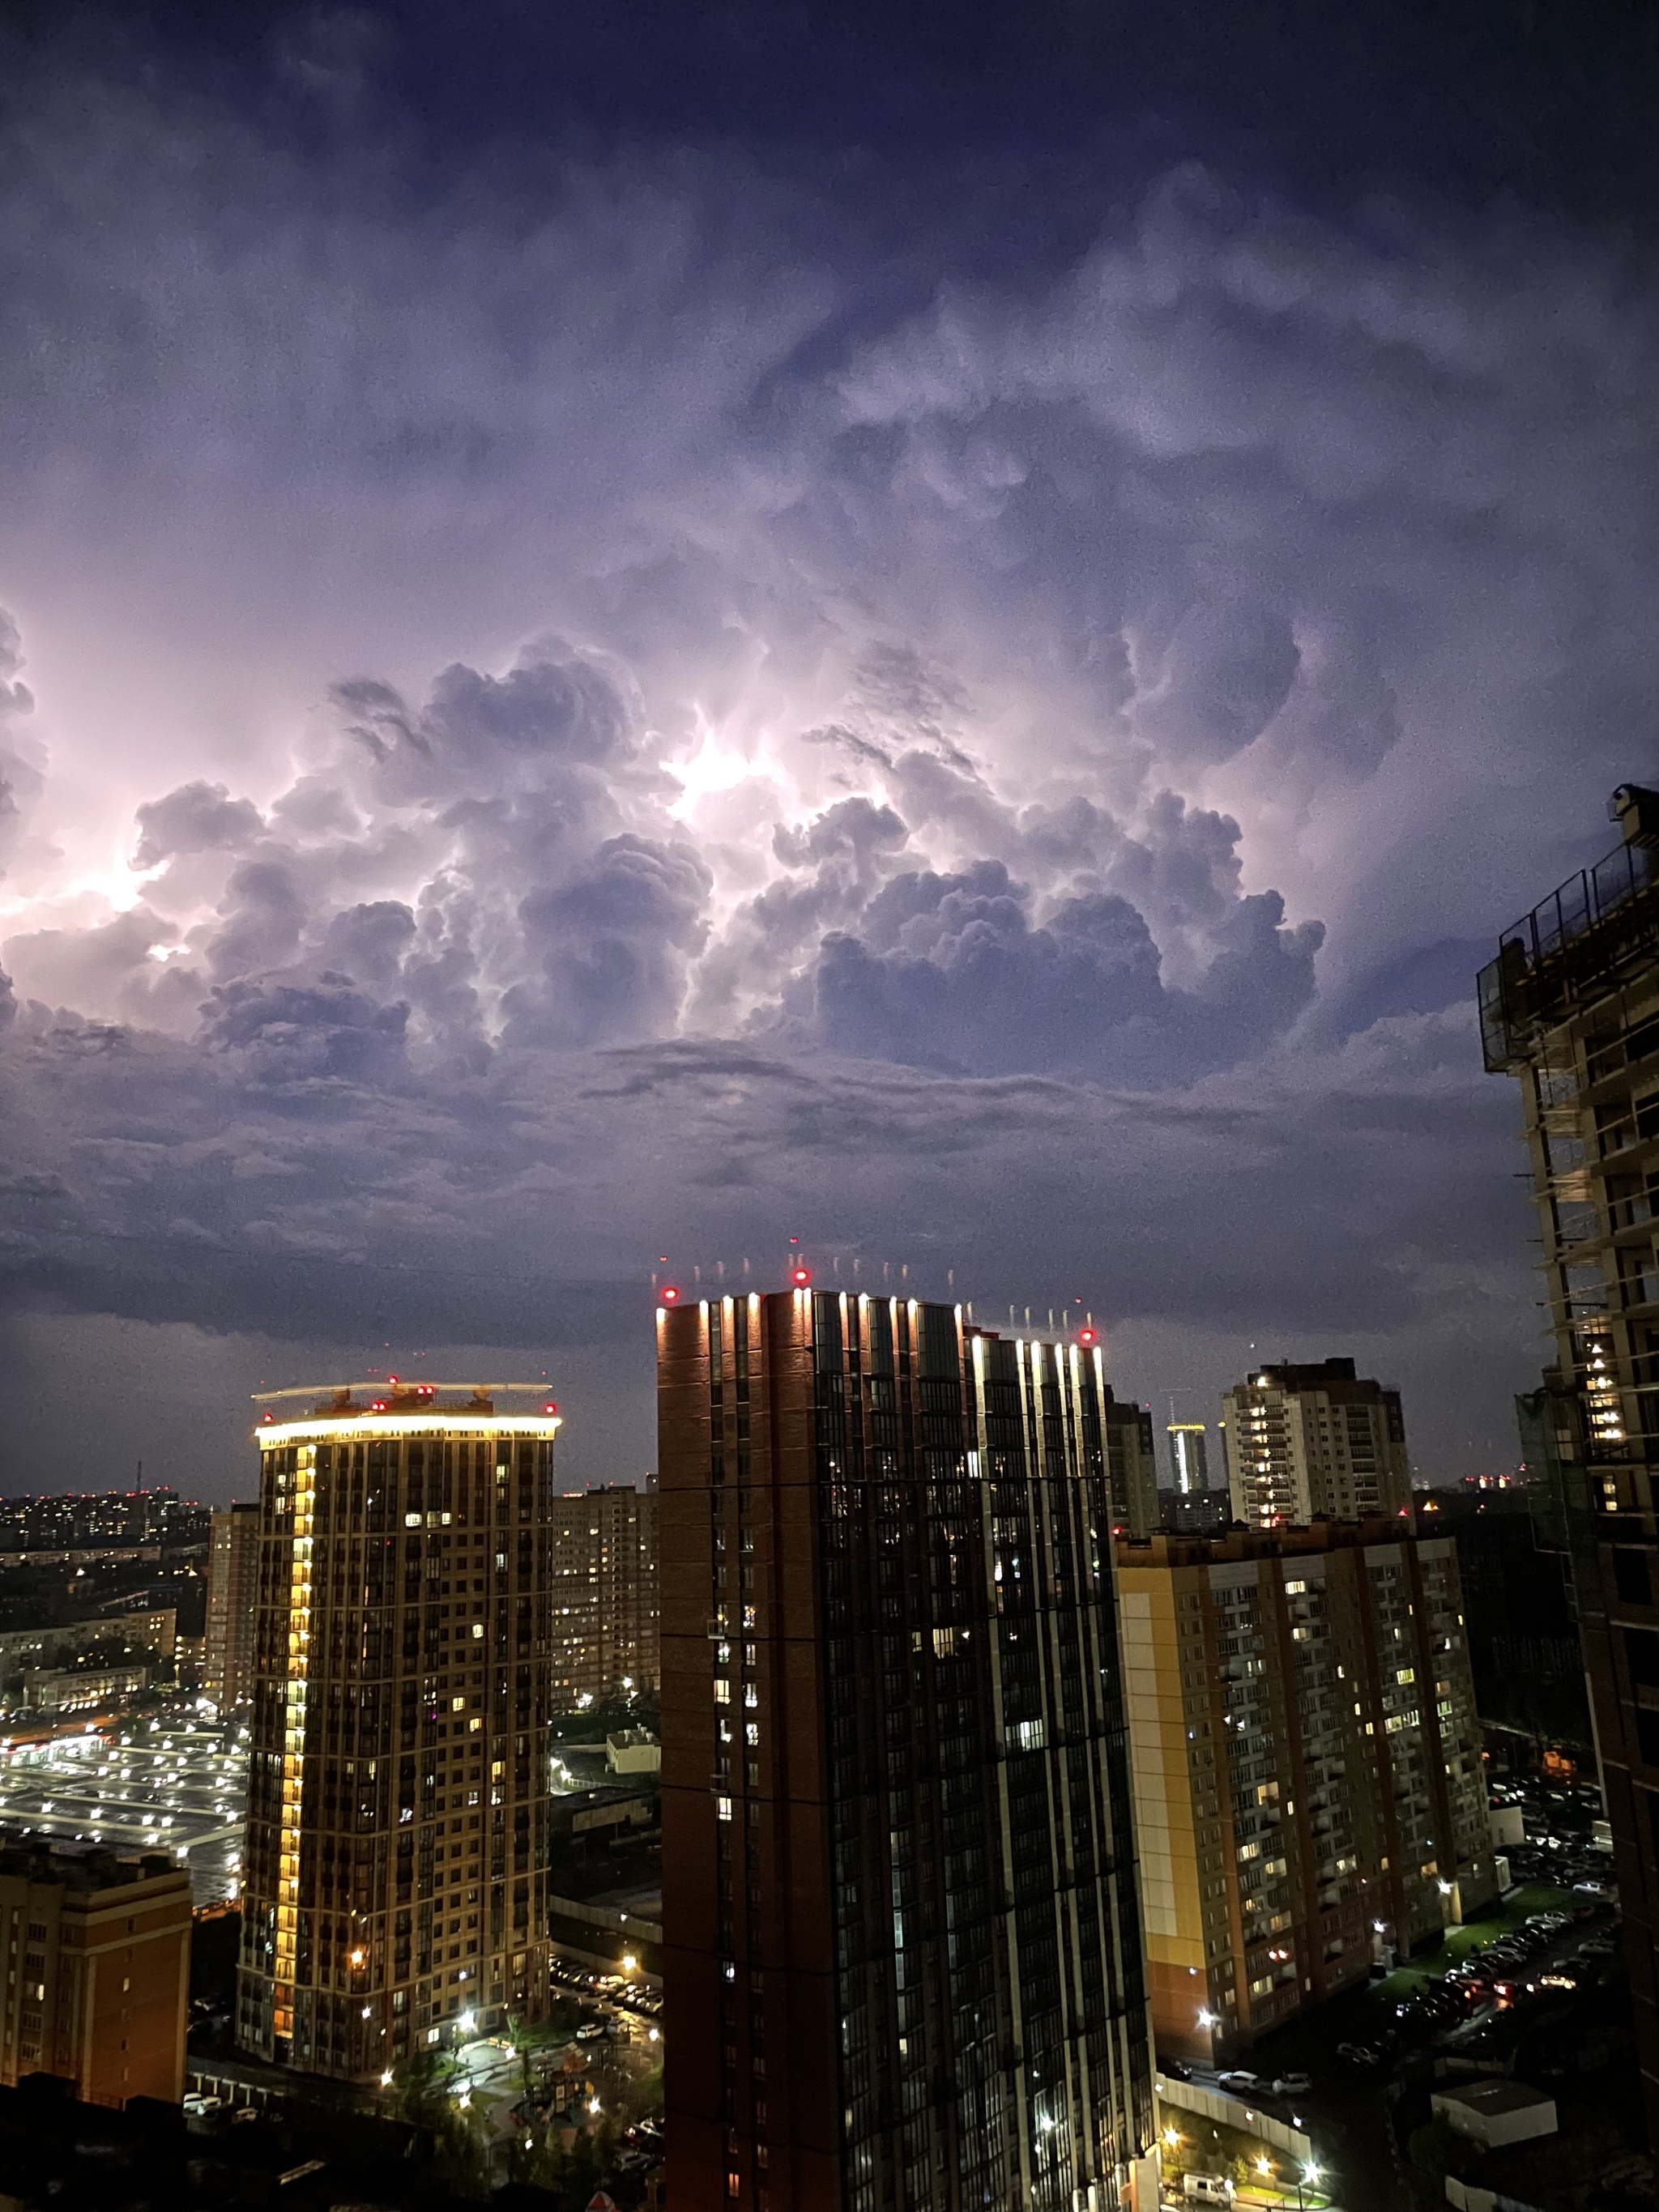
x: 315, y: 1410
x: 86, y: 1867
x: 1243, y: 1542
x: 1574, y: 942
x: 1492, y: 2097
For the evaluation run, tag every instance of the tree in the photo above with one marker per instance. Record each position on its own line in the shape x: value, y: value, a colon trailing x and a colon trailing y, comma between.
x: 1432, y: 2152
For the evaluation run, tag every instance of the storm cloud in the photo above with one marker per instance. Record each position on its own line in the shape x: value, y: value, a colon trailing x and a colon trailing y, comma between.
x: 579, y: 713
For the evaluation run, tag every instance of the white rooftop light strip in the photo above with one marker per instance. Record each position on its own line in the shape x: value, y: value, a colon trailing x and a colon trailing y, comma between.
x: 369, y: 1424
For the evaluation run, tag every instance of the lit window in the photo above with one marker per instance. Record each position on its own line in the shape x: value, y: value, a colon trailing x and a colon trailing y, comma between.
x: 722, y: 1808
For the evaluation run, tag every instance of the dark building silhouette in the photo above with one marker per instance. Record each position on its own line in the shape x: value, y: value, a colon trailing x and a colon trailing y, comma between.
x: 899, y: 1899
x: 1571, y: 1008
x: 1524, y: 1652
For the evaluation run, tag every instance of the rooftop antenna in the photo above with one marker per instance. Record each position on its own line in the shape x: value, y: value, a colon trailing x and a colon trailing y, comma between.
x: 1027, y: 1316
x: 719, y: 1270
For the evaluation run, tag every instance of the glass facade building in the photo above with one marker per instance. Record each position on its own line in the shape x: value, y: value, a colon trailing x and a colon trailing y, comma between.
x: 394, y: 1869
x: 899, y: 1879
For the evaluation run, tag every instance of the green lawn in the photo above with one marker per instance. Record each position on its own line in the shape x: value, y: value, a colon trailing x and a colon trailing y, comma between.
x: 1532, y: 1897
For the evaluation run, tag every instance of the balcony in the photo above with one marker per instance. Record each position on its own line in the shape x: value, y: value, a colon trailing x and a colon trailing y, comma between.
x: 1580, y: 934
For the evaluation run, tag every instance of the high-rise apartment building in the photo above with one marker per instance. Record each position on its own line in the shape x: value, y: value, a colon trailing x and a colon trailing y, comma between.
x: 1131, y: 1468
x: 1189, y: 1456
x: 1310, y: 1440
x: 1571, y: 1008
x: 97, y: 1986
x: 899, y: 1896
x: 233, y: 1599
x: 1309, y: 1788
x: 395, y: 1868
x: 604, y: 1593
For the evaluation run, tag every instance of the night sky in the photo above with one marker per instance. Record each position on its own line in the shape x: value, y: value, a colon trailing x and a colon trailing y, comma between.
x: 637, y: 630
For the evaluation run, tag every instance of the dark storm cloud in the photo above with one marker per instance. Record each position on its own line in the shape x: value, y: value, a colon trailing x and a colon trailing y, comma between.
x: 712, y: 735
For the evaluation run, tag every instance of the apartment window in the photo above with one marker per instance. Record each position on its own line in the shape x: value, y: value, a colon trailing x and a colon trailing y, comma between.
x: 1630, y: 1577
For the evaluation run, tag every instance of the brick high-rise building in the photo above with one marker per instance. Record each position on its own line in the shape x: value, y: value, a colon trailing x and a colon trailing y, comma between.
x: 97, y: 1949
x: 899, y: 1896
x: 1308, y: 1788
x: 604, y: 1593
x: 1571, y: 1008
x: 233, y: 1599
x: 395, y: 1869
x: 1311, y: 1440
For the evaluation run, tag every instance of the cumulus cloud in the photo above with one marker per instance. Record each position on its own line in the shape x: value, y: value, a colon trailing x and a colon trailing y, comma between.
x: 700, y: 741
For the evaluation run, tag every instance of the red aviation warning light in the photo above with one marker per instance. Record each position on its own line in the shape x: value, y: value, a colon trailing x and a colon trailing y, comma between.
x: 800, y: 1277
x: 1088, y: 1336
x: 669, y: 1295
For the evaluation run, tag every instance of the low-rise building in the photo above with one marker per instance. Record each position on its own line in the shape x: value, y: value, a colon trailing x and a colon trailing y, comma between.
x: 1496, y: 2112
x: 1306, y: 1761
x: 632, y: 1751
x: 98, y: 1954
x: 80, y: 1689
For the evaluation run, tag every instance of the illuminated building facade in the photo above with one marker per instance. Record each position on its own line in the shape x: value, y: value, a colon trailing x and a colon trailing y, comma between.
x: 1313, y: 1440
x: 396, y: 1858
x: 233, y: 1599
x: 605, y: 1595
x: 1307, y: 1760
x: 1571, y: 1008
x: 899, y: 1895
x: 1189, y: 1457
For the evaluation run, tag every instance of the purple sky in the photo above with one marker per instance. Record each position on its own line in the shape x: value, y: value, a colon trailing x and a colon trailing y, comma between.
x: 579, y: 701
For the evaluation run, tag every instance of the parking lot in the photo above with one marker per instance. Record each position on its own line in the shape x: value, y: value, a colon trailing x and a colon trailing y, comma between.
x: 1354, y: 2076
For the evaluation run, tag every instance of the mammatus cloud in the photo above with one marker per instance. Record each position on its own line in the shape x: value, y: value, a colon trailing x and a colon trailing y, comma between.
x: 690, y: 756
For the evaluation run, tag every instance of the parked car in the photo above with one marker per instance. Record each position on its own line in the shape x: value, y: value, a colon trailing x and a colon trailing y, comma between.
x: 1206, y: 2189
x: 1292, y: 2085
x: 1357, y: 2054
x: 1237, y: 2078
